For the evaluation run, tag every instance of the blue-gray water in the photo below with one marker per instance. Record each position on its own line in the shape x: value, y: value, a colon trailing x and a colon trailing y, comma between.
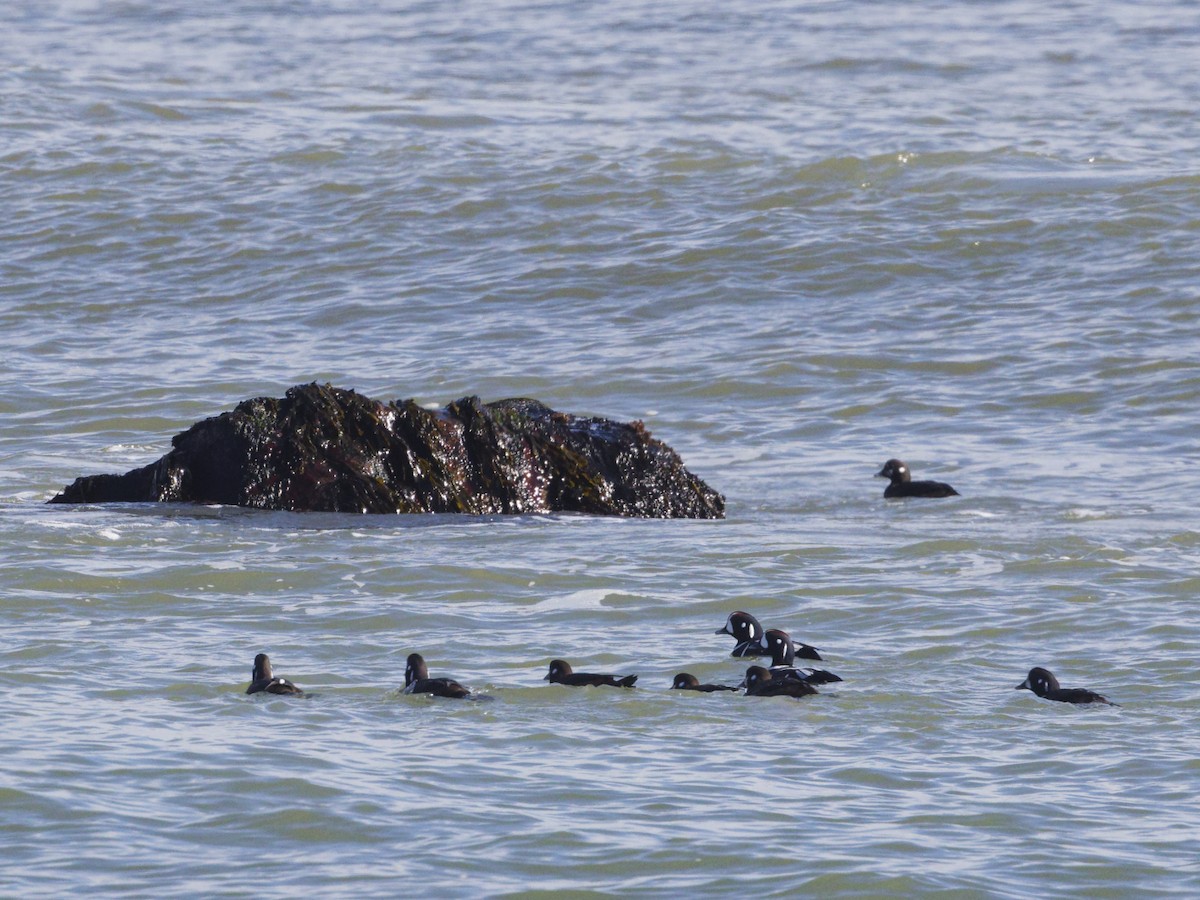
x: 794, y: 239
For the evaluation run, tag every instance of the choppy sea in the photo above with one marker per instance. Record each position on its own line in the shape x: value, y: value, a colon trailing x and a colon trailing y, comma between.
x: 795, y: 239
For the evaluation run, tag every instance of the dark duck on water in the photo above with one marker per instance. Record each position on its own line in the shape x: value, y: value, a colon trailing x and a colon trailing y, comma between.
x: 902, y: 484
x: 1043, y: 683
x: 783, y: 659
x: 760, y: 683
x: 262, y: 681
x: 561, y: 673
x: 751, y: 637
x: 686, y: 681
x: 417, y: 681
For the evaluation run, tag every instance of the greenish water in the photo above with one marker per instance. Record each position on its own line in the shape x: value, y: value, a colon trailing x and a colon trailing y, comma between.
x: 796, y: 240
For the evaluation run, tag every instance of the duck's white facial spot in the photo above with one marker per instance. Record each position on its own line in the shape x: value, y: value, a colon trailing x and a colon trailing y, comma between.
x: 900, y: 470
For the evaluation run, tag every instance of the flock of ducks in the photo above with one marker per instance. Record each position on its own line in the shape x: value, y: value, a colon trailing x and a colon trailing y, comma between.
x: 782, y: 678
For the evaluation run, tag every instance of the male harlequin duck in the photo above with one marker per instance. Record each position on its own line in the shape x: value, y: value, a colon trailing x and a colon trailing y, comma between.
x: 760, y: 683
x: 417, y: 681
x: 751, y: 637
x: 262, y: 681
x: 560, y: 673
x: 685, y: 681
x: 746, y: 630
x: 1043, y: 683
x: 783, y: 658
x: 903, y: 486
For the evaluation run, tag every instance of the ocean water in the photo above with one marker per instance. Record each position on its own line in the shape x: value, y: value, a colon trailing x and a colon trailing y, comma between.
x: 795, y: 240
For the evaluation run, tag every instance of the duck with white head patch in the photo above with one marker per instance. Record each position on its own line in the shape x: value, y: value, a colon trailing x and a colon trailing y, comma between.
x: 902, y: 484
x: 262, y: 681
x: 783, y: 658
x: 751, y: 638
x: 1043, y: 683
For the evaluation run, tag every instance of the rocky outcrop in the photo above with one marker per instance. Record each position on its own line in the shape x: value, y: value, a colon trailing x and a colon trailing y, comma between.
x: 320, y: 448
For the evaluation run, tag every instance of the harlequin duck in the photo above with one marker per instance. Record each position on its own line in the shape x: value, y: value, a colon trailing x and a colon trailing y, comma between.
x: 262, y: 681
x: 417, y: 681
x: 783, y: 658
x: 903, y: 486
x: 685, y: 681
x: 749, y: 634
x: 760, y: 683
x: 1043, y: 683
x: 561, y: 673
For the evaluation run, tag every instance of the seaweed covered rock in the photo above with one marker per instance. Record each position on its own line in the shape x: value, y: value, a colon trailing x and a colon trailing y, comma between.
x: 321, y: 448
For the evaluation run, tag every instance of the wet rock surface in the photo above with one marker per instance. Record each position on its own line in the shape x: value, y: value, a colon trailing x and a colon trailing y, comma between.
x: 321, y: 448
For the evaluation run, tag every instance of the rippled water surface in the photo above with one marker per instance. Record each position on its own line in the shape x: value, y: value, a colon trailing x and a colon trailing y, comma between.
x: 795, y: 240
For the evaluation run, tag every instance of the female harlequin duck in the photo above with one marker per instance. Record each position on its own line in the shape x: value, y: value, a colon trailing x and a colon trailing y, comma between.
x: 560, y: 673
x: 262, y: 681
x: 1043, y: 683
x: 685, y: 681
x: 751, y: 638
x: 760, y: 683
x: 902, y: 484
x: 417, y: 681
x: 783, y: 658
